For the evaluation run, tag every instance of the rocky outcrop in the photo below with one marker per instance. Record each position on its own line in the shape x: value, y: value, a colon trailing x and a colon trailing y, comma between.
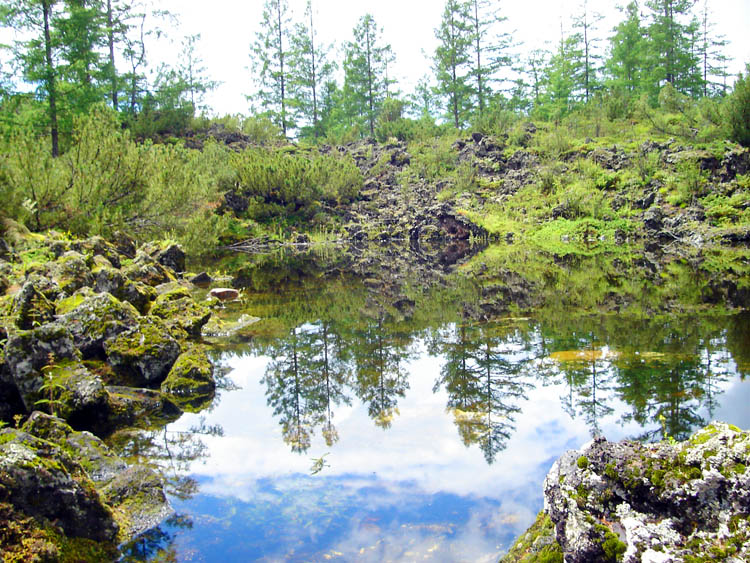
x: 57, y: 482
x: 663, y: 502
x: 80, y: 327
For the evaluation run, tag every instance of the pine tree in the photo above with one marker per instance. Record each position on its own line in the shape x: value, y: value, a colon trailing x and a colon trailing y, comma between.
x: 193, y: 73
x: 269, y: 54
x: 309, y: 70
x: 453, y: 60
x: 586, y: 22
x: 490, y: 48
x: 38, y: 55
x: 714, y: 61
x: 365, y: 83
x: 627, y: 62
x: 673, y: 57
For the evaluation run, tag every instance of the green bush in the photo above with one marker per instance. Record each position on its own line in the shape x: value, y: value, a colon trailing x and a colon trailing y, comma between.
x: 279, y: 182
x: 106, y: 182
x: 738, y: 110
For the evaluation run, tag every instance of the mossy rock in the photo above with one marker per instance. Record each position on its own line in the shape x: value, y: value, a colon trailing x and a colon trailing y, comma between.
x: 29, y: 353
x: 190, y: 383
x: 178, y: 309
x: 71, y: 272
x: 97, y: 246
x: 111, y: 280
x: 141, y: 408
x: 146, y: 351
x: 146, y: 270
x: 34, y: 304
x: 41, y: 480
x: 95, y: 319
x: 536, y: 545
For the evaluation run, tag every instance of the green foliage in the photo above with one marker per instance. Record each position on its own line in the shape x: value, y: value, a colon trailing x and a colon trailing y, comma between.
x: 106, y: 182
x: 738, y: 110
x: 282, y: 183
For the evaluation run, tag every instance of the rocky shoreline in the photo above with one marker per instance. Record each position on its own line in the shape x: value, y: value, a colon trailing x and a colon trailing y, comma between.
x: 664, y: 502
x: 95, y: 337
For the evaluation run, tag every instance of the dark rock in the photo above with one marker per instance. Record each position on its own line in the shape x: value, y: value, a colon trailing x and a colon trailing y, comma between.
x: 190, y: 382
x: 237, y: 203
x: 178, y: 309
x: 138, y: 492
x: 34, y: 304
x: 97, y: 246
x: 5, y: 249
x: 143, y: 408
x: 27, y: 353
x: 202, y: 280
x: 124, y: 244
x: 477, y: 137
x: 653, y: 219
x: 42, y: 481
x: 111, y: 280
x: 172, y: 257
x: 71, y: 272
x: 145, y: 352
x: 146, y: 270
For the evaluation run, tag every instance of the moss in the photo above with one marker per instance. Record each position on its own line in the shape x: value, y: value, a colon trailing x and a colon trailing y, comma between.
x: 69, y: 303
x: 613, y: 548
x: 610, y: 471
x: 583, y: 462
x: 525, y: 549
x: 657, y: 478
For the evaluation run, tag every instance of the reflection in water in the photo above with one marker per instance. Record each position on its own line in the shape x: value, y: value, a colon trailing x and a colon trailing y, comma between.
x: 485, y: 376
x: 475, y: 413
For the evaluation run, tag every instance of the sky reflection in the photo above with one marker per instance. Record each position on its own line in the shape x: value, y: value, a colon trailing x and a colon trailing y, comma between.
x: 413, y: 491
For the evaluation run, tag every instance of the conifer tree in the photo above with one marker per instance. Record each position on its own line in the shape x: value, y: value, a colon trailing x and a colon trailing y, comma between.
x: 309, y: 70
x: 193, y: 73
x: 672, y: 56
x: 38, y: 55
x: 627, y: 61
x: 453, y: 60
x: 586, y: 22
x: 490, y: 48
x: 365, y: 73
x: 269, y: 54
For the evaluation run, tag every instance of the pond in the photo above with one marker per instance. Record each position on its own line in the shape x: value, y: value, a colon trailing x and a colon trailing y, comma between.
x: 373, y: 421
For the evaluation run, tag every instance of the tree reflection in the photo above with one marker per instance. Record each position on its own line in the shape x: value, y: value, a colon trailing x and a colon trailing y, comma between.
x: 378, y: 354
x: 484, y: 376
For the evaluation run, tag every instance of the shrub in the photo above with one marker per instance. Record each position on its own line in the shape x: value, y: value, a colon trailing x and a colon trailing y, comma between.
x: 281, y: 182
x: 738, y: 110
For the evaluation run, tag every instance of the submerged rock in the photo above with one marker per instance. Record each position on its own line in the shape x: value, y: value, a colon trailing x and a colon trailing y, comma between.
x: 663, y: 502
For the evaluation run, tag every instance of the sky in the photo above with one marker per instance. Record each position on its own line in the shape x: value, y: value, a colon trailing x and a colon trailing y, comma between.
x: 228, y: 27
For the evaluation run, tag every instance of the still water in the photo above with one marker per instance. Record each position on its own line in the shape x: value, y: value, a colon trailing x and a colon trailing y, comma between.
x: 357, y: 427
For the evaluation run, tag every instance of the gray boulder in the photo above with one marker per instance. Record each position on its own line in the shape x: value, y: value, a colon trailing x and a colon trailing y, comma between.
x: 635, y: 502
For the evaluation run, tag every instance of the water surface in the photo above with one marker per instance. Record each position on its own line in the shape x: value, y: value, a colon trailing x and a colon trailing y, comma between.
x: 362, y: 422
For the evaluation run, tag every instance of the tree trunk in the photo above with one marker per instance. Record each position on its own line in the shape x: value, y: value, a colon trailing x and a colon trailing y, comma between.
x: 314, y: 75
x: 281, y: 68
x: 50, y: 79
x: 111, y: 44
